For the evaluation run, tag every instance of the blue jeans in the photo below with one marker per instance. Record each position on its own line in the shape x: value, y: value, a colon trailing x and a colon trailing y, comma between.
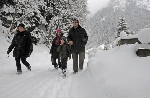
x: 64, y: 63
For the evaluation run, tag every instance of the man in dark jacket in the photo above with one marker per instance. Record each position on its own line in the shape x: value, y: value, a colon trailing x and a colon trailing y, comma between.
x: 22, y: 44
x: 77, y: 38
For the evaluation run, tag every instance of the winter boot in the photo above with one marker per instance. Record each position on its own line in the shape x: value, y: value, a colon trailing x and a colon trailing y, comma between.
x: 60, y: 65
x: 56, y: 66
x: 29, y: 67
x: 75, y: 71
x: 19, y: 71
x: 64, y: 72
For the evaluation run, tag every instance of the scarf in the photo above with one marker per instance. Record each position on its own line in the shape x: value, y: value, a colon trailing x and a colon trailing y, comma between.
x: 57, y: 42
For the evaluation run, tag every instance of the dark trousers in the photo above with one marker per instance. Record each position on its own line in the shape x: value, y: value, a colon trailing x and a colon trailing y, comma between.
x: 75, y: 57
x: 23, y: 61
x: 53, y: 60
x: 64, y: 63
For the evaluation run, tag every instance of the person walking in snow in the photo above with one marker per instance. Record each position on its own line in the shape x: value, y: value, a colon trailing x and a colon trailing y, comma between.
x: 77, y: 38
x: 53, y: 51
x: 64, y: 53
x: 22, y: 44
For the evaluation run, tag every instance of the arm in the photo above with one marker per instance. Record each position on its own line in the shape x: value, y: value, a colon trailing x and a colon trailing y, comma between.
x: 85, y: 37
x: 11, y: 46
x: 30, y: 44
x: 69, y: 51
x: 52, y: 47
x: 69, y: 38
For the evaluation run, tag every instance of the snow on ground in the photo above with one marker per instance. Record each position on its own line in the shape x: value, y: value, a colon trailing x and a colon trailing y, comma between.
x: 42, y: 82
x: 117, y: 73
x: 144, y: 35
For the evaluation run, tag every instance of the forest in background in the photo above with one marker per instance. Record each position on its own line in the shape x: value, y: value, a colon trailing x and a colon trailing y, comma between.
x: 103, y: 26
x: 42, y: 17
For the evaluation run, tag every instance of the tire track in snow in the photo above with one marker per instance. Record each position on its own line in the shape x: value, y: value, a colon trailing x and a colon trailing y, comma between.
x: 56, y: 87
x: 18, y: 86
x: 39, y: 83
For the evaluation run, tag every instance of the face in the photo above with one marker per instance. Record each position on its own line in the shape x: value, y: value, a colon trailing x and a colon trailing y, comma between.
x: 62, y: 42
x: 75, y: 24
x: 58, y: 33
x: 21, y: 29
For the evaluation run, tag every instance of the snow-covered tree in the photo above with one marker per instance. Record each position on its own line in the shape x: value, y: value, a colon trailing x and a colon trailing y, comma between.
x: 6, y: 2
x: 63, y: 12
x: 122, y: 26
x: 107, y: 43
x: 105, y: 21
x: 79, y: 10
x: 43, y: 17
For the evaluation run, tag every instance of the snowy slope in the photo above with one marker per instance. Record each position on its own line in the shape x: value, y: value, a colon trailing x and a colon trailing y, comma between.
x: 42, y: 82
x: 117, y: 73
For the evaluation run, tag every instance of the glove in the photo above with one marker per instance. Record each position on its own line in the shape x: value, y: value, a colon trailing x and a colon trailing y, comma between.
x: 8, y: 52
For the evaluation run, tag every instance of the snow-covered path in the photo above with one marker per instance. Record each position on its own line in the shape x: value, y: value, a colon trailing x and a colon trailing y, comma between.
x: 117, y: 73
x: 42, y: 82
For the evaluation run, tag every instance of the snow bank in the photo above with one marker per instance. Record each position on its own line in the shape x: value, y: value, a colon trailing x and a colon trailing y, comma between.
x: 144, y: 36
x: 118, y: 73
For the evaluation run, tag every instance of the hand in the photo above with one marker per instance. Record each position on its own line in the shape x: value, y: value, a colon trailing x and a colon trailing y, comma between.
x: 71, y: 42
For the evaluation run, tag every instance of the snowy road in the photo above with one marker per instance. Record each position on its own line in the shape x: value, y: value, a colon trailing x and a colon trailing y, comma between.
x: 42, y: 82
x: 117, y: 73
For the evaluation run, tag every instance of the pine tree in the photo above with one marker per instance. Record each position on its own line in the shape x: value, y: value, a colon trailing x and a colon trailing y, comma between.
x: 122, y: 27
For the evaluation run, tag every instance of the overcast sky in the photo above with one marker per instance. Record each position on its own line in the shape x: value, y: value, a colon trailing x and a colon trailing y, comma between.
x: 95, y: 5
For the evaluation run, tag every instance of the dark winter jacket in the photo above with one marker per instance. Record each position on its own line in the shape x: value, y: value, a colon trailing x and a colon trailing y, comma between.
x: 53, y: 50
x: 79, y: 38
x: 64, y: 51
x: 22, y: 44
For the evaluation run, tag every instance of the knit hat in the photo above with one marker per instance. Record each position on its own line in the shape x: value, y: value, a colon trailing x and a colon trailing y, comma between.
x: 63, y: 38
x: 59, y: 30
x: 21, y: 25
x: 75, y: 19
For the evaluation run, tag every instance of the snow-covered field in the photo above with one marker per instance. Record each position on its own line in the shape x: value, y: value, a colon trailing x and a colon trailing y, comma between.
x: 42, y: 82
x: 117, y: 73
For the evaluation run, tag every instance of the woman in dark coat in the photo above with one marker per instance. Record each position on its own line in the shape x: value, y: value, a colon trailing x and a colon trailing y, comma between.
x: 22, y: 44
x: 53, y: 51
